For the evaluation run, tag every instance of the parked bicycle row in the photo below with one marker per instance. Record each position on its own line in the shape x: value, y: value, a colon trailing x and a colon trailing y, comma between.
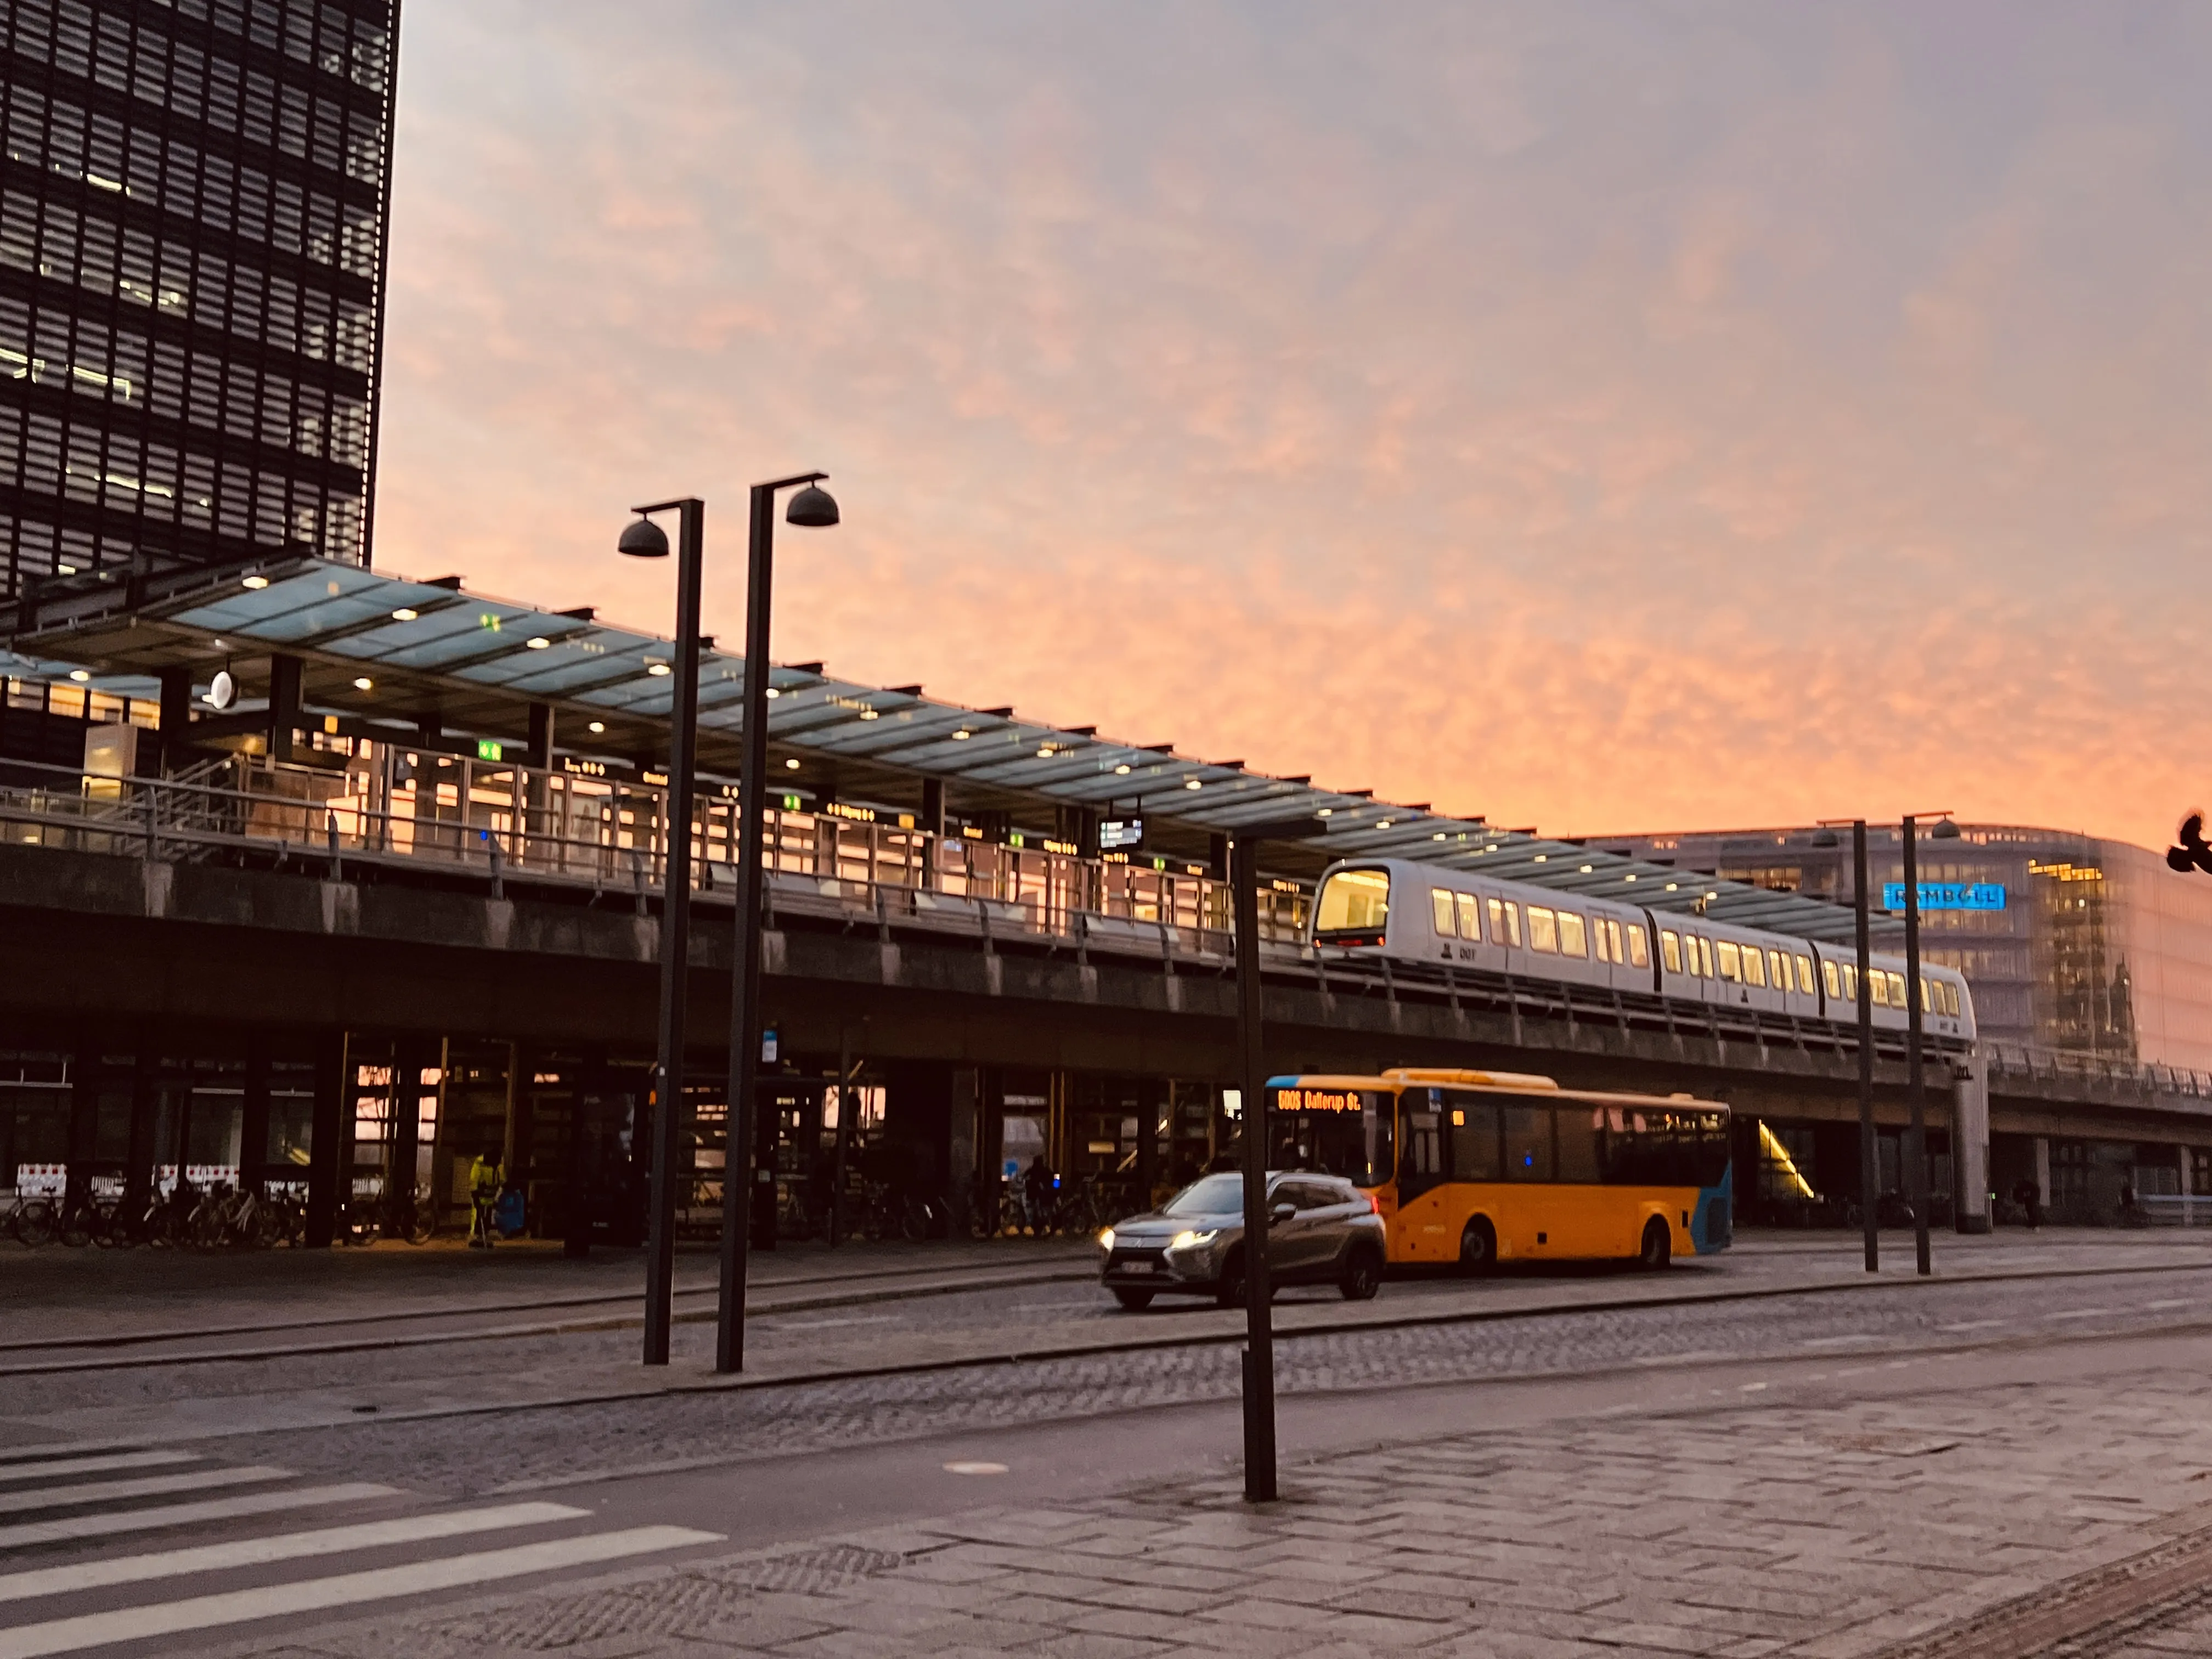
x: 210, y: 1217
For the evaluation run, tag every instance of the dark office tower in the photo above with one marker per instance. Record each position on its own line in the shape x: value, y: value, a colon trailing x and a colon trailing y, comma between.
x: 192, y: 276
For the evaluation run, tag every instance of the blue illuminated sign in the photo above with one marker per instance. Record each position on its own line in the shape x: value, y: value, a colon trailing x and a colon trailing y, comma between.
x: 1947, y: 896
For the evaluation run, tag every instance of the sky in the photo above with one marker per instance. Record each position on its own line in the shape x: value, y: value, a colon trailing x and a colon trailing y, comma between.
x: 1601, y: 417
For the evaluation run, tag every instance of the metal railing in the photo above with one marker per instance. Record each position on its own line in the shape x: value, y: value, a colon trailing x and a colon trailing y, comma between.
x: 507, y: 822
x: 2063, y: 1065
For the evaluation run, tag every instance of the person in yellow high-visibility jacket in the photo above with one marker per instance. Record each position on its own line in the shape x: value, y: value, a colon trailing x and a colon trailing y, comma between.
x: 487, y: 1175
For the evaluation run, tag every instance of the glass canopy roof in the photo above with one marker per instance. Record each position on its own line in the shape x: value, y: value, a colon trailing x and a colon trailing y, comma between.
x: 382, y: 648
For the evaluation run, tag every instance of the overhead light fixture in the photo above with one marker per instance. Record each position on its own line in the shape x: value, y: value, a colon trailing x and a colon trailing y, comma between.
x: 79, y: 675
x: 1193, y: 783
x: 1122, y: 770
x: 790, y: 766
x: 1628, y: 878
x: 773, y: 692
x: 1383, y: 824
x: 1439, y: 835
x: 962, y: 735
x: 364, y: 683
x: 256, y: 583
x: 596, y: 728
x: 538, y: 642
x: 1584, y: 871
x: 657, y: 668
x: 1325, y: 812
x: 1672, y: 885
x: 1541, y: 858
x: 405, y: 613
x: 872, y: 713
x: 1045, y: 752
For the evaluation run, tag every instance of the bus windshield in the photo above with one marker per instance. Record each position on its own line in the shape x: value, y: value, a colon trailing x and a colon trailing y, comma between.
x: 1353, y: 900
x: 1338, y: 1132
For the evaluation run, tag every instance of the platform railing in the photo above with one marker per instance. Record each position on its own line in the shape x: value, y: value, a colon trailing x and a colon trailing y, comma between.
x: 2066, y: 1065
x: 509, y: 822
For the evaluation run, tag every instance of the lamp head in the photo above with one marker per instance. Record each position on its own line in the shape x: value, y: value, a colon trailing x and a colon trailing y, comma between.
x: 1824, y: 836
x: 643, y: 540
x: 1944, y: 831
x: 812, y: 509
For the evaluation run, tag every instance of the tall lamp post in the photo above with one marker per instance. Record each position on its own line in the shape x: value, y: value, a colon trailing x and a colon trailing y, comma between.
x: 812, y: 509
x: 1252, y: 1083
x: 647, y: 540
x: 1870, y: 1165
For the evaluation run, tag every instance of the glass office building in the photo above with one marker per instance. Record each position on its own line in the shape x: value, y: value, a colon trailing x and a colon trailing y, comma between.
x: 191, y: 261
x: 2072, y: 944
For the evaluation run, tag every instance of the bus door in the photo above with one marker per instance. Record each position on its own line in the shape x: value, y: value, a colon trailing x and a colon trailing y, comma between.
x: 1423, y: 1230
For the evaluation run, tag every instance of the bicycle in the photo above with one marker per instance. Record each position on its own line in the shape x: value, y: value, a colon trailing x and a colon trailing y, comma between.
x: 29, y: 1221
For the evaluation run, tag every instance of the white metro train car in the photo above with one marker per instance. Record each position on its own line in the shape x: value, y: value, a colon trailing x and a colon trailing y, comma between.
x: 1421, y: 917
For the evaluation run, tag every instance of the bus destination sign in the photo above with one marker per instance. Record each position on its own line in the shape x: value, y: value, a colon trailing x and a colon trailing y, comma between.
x: 1317, y: 1100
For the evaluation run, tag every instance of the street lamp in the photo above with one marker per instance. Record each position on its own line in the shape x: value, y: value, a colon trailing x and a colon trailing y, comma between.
x: 644, y: 539
x: 812, y: 509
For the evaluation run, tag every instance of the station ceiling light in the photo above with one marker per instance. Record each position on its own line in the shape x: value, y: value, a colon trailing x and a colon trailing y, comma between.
x: 1193, y: 783
x: 256, y: 583
x: 596, y: 728
x: 538, y: 642
x: 405, y: 613
x: 1122, y: 770
x: 364, y: 683
x: 962, y: 735
x: 657, y: 669
x: 79, y: 675
x: 790, y: 766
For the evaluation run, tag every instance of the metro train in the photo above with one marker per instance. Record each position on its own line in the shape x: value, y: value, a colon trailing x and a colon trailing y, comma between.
x: 1422, y: 917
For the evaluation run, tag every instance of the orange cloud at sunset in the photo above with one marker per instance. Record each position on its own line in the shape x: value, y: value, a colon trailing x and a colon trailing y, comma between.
x: 1594, y: 418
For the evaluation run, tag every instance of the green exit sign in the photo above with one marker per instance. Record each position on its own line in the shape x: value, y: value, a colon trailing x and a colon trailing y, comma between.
x: 487, y: 749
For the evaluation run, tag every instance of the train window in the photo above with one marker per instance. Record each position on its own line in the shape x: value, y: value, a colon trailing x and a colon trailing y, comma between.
x: 1805, y: 975
x: 1639, y: 951
x: 1896, y: 991
x: 1573, y: 940
x: 1731, y: 961
x: 1778, y: 967
x: 1951, y: 1001
x: 1670, y: 949
x: 1701, y: 955
x: 1754, y: 967
x: 1440, y: 908
x: 1832, y: 980
x: 1506, y: 923
x: 1878, y: 988
x: 1929, y: 1005
x: 1608, y: 939
x: 1543, y: 930
x: 1850, y: 984
x: 1353, y: 899
x: 1470, y: 916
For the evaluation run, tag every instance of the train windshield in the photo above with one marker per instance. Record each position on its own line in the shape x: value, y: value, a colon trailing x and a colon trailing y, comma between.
x: 1353, y: 902
x: 1338, y: 1132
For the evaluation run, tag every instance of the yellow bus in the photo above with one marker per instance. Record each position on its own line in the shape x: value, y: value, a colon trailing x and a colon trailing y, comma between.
x: 1477, y: 1168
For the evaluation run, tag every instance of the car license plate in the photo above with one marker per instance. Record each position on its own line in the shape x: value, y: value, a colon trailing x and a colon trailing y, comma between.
x: 1136, y: 1267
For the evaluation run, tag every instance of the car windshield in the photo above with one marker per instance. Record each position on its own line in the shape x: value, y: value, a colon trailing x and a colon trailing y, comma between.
x: 1215, y: 1195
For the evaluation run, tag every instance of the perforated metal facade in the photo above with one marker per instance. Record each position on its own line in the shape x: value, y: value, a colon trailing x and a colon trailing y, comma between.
x: 192, y: 253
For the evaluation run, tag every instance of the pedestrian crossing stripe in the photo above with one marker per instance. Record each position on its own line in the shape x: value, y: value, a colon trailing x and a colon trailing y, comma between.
x: 320, y: 1594
x: 64, y: 1528
x: 280, y: 1547
x: 104, y: 1492
x: 102, y: 1464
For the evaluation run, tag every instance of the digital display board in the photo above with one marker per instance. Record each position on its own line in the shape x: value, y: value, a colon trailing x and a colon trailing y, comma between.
x: 1118, y: 835
x: 1947, y: 896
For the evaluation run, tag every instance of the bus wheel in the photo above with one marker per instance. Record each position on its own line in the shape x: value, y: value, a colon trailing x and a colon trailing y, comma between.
x: 1658, y: 1246
x: 1134, y: 1300
x: 1478, y: 1249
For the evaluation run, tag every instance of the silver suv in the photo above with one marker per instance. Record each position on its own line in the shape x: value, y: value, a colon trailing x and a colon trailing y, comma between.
x: 1323, y: 1230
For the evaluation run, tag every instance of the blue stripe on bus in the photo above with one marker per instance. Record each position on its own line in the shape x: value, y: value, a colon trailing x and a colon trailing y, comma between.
x: 1711, y: 1227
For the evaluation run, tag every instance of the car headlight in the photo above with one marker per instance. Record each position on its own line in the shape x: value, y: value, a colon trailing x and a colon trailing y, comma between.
x: 1106, y: 1239
x: 1186, y: 1240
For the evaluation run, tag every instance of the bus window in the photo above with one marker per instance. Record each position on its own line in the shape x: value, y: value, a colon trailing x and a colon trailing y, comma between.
x: 1470, y: 916
x: 1440, y: 906
x: 1578, y: 1139
x: 1473, y: 1138
x: 1353, y: 900
x: 1543, y: 930
x: 1342, y: 1131
x: 1670, y: 949
x: 1639, y: 951
x: 1805, y: 975
x: 1528, y: 1142
x: 1420, y: 1143
x: 1572, y: 940
x: 1506, y: 923
x: 1731, y: 961
x: 1829, y: 978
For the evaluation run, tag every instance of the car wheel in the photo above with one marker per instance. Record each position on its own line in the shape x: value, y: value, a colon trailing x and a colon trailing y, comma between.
x: 1658, y: 1246
x: 1229, y: 1291
x: 1478, y: 1249
x: 1362, y: 1274
x: 1134, y: 1300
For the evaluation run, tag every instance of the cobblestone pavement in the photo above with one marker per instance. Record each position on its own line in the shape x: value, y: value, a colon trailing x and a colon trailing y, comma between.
x: 476, y: 1453
x: 2016, y: 1520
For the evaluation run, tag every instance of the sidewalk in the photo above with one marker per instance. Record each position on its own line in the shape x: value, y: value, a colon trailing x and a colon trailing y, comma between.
x: 1839, y: 1531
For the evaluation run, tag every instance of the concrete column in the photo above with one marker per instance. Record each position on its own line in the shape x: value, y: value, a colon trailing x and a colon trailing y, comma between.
x: 145, y: 1113
x: 327, y: 1140
x: 253, y: 1126
x: 1151, y: 1091
x: 283, y: 705
x: 176, y: 718
x: 2043, y: 1170
x: 1970, y: 1146
x: 84, y: 1110
x: 409, y: 1058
